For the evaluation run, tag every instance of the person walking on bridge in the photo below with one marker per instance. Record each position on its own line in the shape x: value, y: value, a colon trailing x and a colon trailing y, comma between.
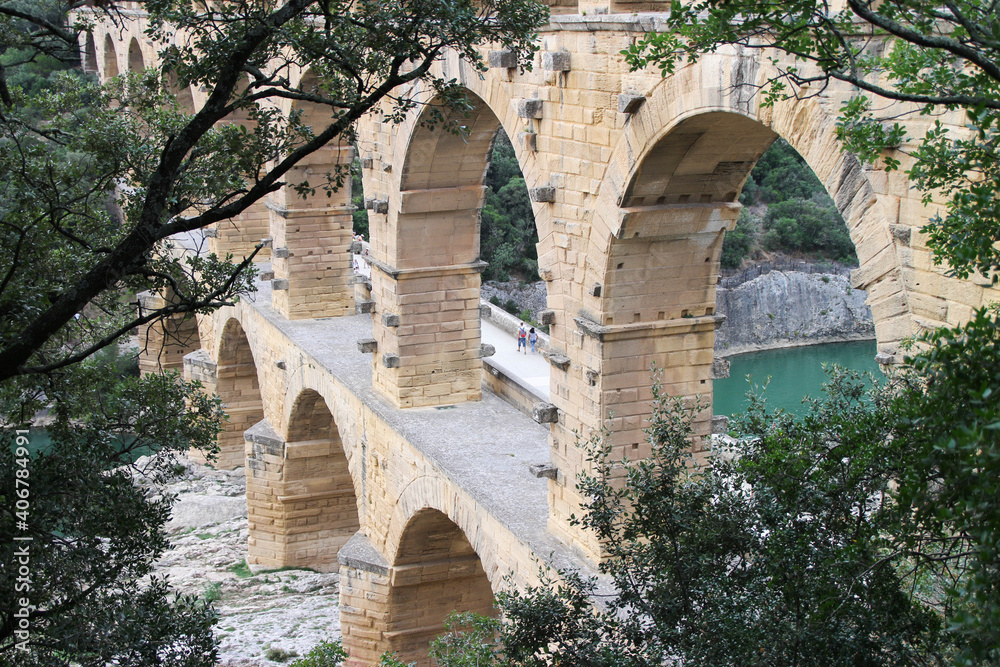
x: 532, y: 338
x: 522, y: 343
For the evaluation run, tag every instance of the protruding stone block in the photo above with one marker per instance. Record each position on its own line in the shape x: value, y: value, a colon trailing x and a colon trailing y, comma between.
x: 547, y: 316
x: 367, y: 162
x: 367, y: 345
x: 369, y: 202
x: 630, y: 102
x: 545, y: 413
x: 546, y: 470
x: 486, y: 350
x: 591, y: 376
x: 280, y: 253
x: 390, y: 320
x: 529, y: 108
x: 720, y: 369
x: 266, y: 242
x: 503, y: 59
x: 266, y: 276
x: 885, y: 358
x: 560, y: 361
x: 529, y: 140
x: 546, y: 193
x: 211, y: 233
x: 356, y: 247
x: 364, y: 306
x: 556, y: 61
x: 901, y: 233
x: 390, y: 360
x: 279, y: 284
x: 386, y: 167
x: 720, y: 424
x: 380, y: 205
x: 281, y: 364
x: 595, y: 290
x: 485, y: 312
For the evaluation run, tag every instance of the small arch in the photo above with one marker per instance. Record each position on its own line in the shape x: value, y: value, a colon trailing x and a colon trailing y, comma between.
x: 110, y: 58
x: 136, y: 63
x: 436, y: 571
x: 88, y: 61
x: 239, y: 389
x: 302, y: 500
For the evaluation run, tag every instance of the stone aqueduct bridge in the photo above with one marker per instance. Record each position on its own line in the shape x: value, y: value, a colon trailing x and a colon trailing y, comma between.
x: 395, y: 462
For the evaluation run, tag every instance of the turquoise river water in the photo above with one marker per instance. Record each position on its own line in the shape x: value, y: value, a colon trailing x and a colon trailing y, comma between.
x: 795, y: 372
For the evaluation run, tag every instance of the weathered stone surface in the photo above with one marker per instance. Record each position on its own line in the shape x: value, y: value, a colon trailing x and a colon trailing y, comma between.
x: 545, y: 413
x: 546, y: 193
x: 504, y: 59
x: 629, y: 102
x: 279, y: 284
x: 556, y: 61
x: 367, y: 345
x: 486, y: 350
x: 530, y: 108
x: 720, y: 369
x: 364, y: 307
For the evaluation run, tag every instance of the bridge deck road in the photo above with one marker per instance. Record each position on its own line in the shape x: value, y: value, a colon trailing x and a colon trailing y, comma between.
x: 530, y: 369
x: 484, y: 447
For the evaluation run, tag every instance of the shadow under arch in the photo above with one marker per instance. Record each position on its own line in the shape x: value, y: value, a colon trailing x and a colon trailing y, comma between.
x: 136, y: 62
x: 110, y: 59
x: 435, y: 571
x: 301, y: 497
x: 88, y: 61
x: 238, y: 387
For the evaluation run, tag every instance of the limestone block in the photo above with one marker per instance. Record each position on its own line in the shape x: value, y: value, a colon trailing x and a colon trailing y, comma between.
x: 356, y: 247
x: 630, y: 102
x: 545, y: 413
x: 390, y: 320
x: 280, y: 253
x: 546, y: 193
x: 364, y: 306
x: 547, y: 316
x: 279, y: 285
x: 720, y: 369
x: 380, y: 206
x: 367, y: 163
x: 529, y: 108
x: 211, y: 233
x: 390, y: 360
x: 486, y: 350
x: 502, y: 59
x: 560, y: 361
x: 556, y: 61
x: 266, y: 242
x: 546, y: 470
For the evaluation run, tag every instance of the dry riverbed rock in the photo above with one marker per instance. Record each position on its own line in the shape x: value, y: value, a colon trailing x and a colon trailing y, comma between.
x: 265, y: 618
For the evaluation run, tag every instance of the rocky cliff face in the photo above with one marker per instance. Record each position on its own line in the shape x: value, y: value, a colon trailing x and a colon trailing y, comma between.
x: 783, y: 309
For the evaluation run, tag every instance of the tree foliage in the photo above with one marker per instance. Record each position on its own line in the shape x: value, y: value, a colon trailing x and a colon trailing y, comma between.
x: 177, y: 172
x: 507, y: 224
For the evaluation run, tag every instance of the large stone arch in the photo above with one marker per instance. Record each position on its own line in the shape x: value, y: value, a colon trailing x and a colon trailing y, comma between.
x: 668, y: 196
x: 302, y: 499
x: 435, y: 571
x: 426, y: 195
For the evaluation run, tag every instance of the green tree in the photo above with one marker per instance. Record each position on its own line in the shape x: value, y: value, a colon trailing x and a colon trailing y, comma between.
x: 70, y: 267
x: 508, y: 235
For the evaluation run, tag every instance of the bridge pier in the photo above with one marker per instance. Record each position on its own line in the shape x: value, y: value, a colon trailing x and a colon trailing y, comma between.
x: 163, y: 343
x: 311, y: 241
x: 427, y: 329
x: 239, y: 235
